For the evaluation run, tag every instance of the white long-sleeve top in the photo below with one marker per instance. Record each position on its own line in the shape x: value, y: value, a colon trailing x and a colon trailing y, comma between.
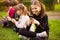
x: 23, y: 21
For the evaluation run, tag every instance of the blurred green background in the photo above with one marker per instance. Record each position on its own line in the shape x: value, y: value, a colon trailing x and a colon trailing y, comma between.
x: 52, y: 10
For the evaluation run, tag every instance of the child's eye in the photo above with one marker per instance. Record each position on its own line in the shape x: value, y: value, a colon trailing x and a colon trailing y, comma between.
x: 35, y: 8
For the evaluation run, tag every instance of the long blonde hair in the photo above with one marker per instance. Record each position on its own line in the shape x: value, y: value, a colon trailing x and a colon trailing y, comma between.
x: 22, y: 7
x: 38, y: 3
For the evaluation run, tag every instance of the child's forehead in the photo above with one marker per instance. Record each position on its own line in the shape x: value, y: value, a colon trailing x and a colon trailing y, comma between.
x: 34, y: 6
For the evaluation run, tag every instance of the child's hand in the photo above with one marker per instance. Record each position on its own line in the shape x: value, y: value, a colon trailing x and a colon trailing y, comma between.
x: 13, y: 20
x: 30, y: 21
x: 3, y: 17
x: 36, y: 22
x: 8, y: 18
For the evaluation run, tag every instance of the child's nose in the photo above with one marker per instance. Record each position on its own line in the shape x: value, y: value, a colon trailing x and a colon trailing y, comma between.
x: 34, y: 10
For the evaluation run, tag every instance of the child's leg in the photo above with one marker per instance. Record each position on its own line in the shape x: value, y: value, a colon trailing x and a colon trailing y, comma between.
x: 39, y: 38
x: 2, y: 21
x: 16, y: 29
x: 26, y: 33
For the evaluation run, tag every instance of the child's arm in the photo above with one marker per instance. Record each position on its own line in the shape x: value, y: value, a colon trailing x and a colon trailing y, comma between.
x: 13, y: 21
x: 9, y: 19
x: 34, y: 21
x: 4, y: 18
x: 21, y: 23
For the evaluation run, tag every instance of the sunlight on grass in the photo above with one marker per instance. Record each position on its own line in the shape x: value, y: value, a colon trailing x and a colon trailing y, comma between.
x: 57, y: 7
x: 3, y: 14
x: 54, y: 29
x: 7, y: 34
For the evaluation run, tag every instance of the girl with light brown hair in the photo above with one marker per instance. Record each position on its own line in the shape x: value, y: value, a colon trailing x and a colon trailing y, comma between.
x: 42, y: 30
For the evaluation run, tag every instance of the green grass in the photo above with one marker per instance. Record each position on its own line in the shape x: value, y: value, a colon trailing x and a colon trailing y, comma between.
x: 2, y: 14
x: 54, y: 29
x: 57, y: 7
x: 9, y: 34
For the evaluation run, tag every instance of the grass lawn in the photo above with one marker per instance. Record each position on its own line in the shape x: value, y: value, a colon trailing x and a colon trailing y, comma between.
x: 54, y: 29
x: 8, y: 34
x: 57, y: 7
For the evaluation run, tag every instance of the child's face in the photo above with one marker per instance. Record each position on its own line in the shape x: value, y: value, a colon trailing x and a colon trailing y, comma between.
x: 35, y: 9
x: 19, y: 12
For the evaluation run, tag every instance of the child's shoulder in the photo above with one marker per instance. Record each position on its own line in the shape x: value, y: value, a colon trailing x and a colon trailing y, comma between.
x: 26, y: 17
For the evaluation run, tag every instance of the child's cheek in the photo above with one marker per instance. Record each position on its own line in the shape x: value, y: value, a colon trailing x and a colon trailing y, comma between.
x: 18, y: 12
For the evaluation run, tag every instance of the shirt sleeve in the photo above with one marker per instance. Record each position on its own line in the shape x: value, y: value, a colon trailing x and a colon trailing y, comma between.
x: 45, y: 25
x: 33, y: 34
x: 21, y: 22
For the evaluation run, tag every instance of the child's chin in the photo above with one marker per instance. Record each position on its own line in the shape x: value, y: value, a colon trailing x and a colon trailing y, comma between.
x: 34, y: 13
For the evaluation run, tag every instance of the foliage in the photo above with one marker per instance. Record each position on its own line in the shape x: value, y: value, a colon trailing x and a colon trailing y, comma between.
x: 1, y: 6
x: 49, y: 4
